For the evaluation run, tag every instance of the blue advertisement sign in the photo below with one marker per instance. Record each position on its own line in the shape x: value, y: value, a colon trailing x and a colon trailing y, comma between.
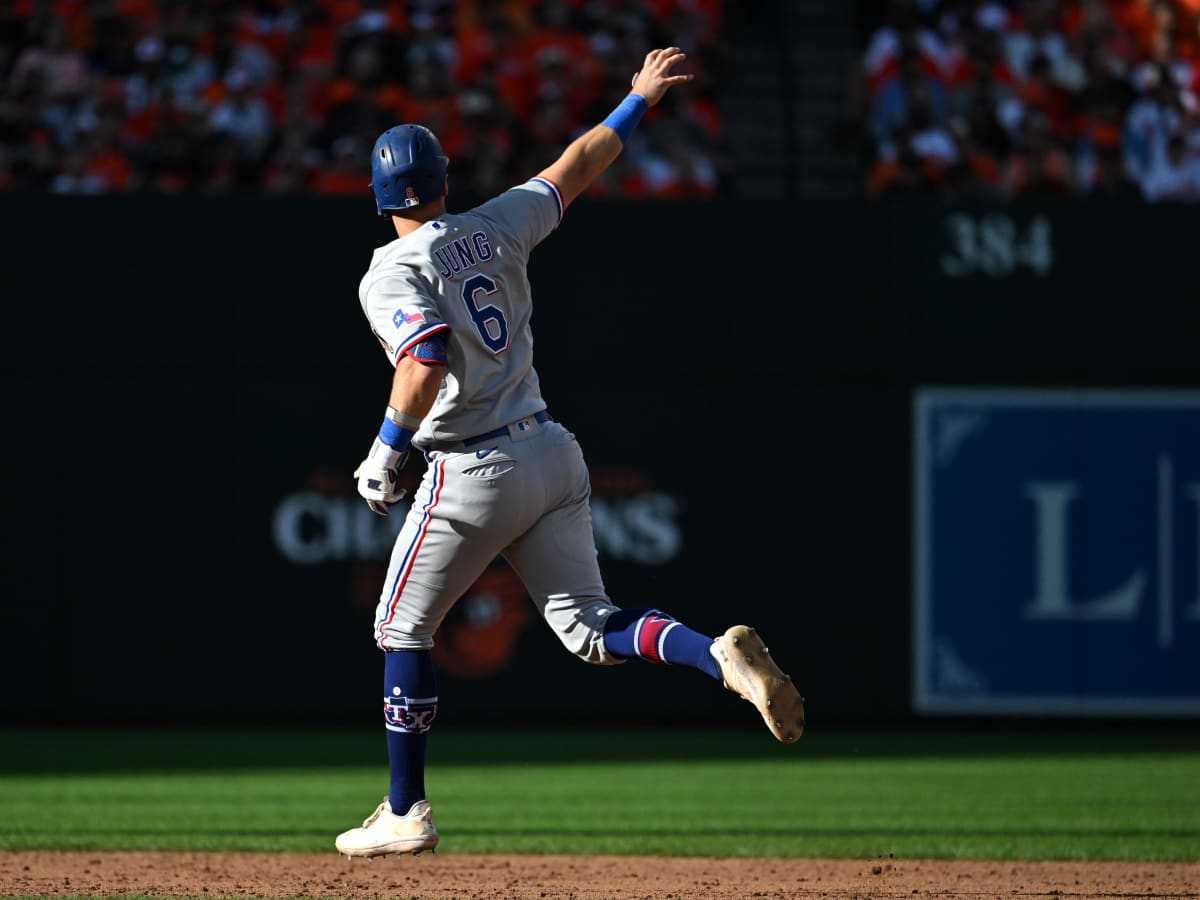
x: 1056, y: 552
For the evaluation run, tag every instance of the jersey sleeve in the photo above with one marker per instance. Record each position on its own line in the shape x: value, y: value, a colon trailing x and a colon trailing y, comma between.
x: 401, y: 311
x: 527, y: 213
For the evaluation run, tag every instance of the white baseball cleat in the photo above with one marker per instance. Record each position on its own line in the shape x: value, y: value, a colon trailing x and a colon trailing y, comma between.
x: 748, y: 670
x: 385, y: 832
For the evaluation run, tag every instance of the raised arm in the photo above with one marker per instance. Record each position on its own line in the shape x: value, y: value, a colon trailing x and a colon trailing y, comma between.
x: 591, y: 153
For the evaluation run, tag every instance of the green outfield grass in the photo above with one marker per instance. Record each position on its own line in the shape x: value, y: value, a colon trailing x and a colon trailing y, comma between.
x: 1062, y: 794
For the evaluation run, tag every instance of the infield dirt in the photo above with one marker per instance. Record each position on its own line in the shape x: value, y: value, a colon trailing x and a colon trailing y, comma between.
x: 495, y: 877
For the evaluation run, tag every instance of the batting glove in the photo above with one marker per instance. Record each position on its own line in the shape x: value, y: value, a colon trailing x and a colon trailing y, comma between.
x: 377, y: 476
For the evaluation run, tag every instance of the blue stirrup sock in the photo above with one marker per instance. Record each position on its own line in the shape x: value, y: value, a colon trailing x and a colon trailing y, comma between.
x: 656, y: 637
x: 409, y: 707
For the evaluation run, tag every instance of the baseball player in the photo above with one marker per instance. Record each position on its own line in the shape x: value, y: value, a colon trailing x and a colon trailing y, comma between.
x: 449, y: 301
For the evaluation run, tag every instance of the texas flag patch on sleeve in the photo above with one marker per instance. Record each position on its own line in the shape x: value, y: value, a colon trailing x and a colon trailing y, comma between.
x: 409, y: 316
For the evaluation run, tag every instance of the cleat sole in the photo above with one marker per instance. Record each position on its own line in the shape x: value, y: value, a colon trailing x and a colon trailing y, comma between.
x: 752, y: 674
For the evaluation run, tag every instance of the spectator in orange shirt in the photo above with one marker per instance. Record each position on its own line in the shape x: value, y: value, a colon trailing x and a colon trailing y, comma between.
x: 344, y: 174
x: 1036, y: 166
x: 1040, y: 93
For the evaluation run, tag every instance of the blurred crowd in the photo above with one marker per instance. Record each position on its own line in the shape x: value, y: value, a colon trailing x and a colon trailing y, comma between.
x: 1045, y: 97
x: 102, y: 96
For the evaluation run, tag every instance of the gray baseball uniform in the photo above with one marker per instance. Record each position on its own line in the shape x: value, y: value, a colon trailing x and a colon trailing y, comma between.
x: 502, y: 478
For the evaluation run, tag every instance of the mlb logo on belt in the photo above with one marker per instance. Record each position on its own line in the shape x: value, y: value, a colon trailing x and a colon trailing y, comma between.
x: 524, y: 424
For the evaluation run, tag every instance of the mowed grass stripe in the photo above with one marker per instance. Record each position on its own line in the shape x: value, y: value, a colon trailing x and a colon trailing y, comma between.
x: 92, y: 750
x: 1091, y: 805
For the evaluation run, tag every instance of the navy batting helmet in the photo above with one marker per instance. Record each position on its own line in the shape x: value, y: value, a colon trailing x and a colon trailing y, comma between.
x: 408, y: 168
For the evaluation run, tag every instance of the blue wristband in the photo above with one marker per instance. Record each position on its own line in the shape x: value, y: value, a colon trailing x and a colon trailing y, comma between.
x: 395, y: 436
x: 627, y: 114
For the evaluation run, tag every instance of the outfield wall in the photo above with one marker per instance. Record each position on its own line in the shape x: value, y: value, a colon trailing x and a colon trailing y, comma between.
x: 188, y: 383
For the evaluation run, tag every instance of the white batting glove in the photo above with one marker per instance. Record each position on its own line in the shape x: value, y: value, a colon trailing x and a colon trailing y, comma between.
x: 377, y: 476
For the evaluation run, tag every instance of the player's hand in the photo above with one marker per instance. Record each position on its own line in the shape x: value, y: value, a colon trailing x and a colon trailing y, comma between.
x: 377, y: 477
x: 653, y: 79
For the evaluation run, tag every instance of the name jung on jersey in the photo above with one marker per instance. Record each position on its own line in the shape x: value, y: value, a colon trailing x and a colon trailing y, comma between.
x: 462, y: 253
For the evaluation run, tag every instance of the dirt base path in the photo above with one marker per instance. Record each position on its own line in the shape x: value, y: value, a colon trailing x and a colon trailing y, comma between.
x: 448, y: 876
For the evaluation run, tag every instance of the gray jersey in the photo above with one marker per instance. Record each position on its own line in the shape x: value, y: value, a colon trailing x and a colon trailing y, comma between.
x: 463, y: 276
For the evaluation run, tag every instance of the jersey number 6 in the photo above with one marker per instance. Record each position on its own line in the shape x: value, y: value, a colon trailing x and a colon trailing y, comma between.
x: 482, y: 315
